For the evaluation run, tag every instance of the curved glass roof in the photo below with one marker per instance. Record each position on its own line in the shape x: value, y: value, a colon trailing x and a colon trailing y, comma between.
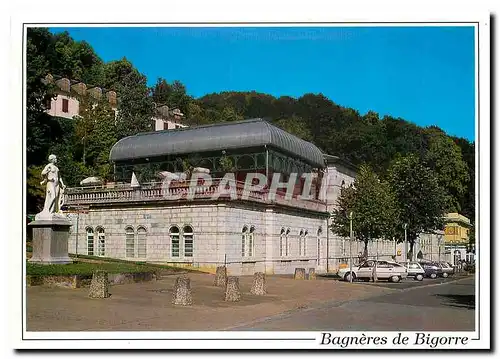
x: 221, y: 136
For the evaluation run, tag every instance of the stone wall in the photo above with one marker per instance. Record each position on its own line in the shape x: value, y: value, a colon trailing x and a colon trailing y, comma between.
x: 336, y: 176
x: 217, y: 235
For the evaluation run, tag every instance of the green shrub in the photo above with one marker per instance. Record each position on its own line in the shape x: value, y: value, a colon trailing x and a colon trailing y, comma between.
x: 84, y: 268
x: 138, y: 263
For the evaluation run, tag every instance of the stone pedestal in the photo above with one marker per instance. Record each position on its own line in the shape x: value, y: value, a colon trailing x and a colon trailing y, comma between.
x: 50, y: 241
x: 300, y: 273
x: 259, y: 284
x: 233, y: 293
x: 220, y: 277
x: 99, y: 287
x: 182, y: 291
x: 312, y: 274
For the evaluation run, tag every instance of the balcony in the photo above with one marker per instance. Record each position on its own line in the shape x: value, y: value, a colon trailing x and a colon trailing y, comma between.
x: 181, y: 192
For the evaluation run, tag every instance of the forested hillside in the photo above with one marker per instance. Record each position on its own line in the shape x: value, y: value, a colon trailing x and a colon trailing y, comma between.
x: 358, y: 138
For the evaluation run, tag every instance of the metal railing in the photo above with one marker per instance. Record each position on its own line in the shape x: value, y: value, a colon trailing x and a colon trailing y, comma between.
x: 184, y: 191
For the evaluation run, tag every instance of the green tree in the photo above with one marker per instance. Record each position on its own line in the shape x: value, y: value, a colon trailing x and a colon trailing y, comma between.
x: 173, y: 95
x: 35, y: 191
x: 422, y: 201
x: 468, y: 200
x: 444, y: 156
x: 96, y: 126
x: 296, y: 126
x: 135, y: 106
x: 228, y: 114
x: 374, y: 208
x: 39, y: 125
x: 115, y: 72
x: 73, y: 59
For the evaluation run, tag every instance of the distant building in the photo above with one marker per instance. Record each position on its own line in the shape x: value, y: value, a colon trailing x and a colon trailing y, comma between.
x: 456, y: 236
x: 167, y: 119
x: 66, y: 102
x: 68, y: 94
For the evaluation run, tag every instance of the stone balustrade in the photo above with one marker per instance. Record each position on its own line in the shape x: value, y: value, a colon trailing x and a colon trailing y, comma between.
x: 179, y: 192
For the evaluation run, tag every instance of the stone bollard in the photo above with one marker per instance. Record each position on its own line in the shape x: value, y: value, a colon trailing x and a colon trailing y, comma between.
x: 182, y: 291
x: 259, y: 284
x: 233, y: 290
x: 300, y: 273
x: 312, y: 274
x: 99, y: 287
x: 220, y: 277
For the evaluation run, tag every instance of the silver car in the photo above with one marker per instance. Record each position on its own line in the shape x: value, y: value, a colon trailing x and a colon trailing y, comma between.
x: 447, y: 269
x: 415, y: 271
x: 385, y: 270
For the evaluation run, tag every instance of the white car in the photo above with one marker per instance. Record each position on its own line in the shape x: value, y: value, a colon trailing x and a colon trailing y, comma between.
x: 415, y: 270
x: 385, y: 270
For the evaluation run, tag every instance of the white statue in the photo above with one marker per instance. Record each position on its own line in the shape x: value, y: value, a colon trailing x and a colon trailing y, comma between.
x: 54, y: 194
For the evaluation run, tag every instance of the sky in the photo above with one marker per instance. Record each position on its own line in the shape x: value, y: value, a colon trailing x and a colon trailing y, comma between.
x: 425, y: 75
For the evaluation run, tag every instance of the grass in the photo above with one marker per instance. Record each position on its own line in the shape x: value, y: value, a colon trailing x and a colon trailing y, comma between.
x: 138, y: 263
x: 84, y: 268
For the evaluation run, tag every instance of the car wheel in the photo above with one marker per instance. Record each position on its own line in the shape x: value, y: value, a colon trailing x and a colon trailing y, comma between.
x: 395, y: 279
x: 347, y: 277
x: 433, y: 275
x: 445, y: 275
x: 419, y: 277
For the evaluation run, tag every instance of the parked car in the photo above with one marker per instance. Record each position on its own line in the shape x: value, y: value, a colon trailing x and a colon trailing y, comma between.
x: 447, y: 269
x: 432, y: 269
x: 385, y: 270
x: 415, y: 271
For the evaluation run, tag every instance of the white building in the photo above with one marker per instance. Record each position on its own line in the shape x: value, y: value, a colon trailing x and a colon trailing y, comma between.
x: 68, y: 94
x: 167, y: 119
x: 203, y: 227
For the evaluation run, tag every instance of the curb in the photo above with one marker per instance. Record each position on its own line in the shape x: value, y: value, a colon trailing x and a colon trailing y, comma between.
x: 436, y: 284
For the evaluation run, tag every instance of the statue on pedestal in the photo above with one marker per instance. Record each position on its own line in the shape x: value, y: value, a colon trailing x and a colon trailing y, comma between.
x: 51, y: 226
x: 54, y: 193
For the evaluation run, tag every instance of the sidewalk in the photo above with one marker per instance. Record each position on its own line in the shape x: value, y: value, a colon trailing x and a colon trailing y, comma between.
x: 147, y: 306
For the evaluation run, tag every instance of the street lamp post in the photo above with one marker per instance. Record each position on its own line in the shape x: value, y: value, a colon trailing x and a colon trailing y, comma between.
x: 405, y: 226
x: 439, y: 247
x: 350, y: 247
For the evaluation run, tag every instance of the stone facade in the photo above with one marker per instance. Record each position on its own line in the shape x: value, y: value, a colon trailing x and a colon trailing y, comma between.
x: 245, y: 236
x: 217, y: 236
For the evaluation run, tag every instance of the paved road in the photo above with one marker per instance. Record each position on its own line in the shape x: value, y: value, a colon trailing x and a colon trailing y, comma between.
x: 437, y: 306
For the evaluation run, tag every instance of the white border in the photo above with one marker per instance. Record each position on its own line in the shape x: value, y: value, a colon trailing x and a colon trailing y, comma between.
x: 209, y: 11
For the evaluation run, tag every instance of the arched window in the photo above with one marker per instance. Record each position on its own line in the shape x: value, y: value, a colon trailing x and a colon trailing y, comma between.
x: 101, y: 242
x: 188, y: 241
x: 250, y: 241
x: 175, y: 241
x: 247, y: 241
x: 304, y: 251
x: 90, y: 241
x: 129, y: 242
x: 301, y: 240
x: 141, y: 242
x: 287, y: 248
x: 282, y: 242
x: 243, y: 240
x: 318, y: 244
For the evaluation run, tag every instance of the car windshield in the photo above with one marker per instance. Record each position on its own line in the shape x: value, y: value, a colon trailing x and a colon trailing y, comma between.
x: 367, y: 264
